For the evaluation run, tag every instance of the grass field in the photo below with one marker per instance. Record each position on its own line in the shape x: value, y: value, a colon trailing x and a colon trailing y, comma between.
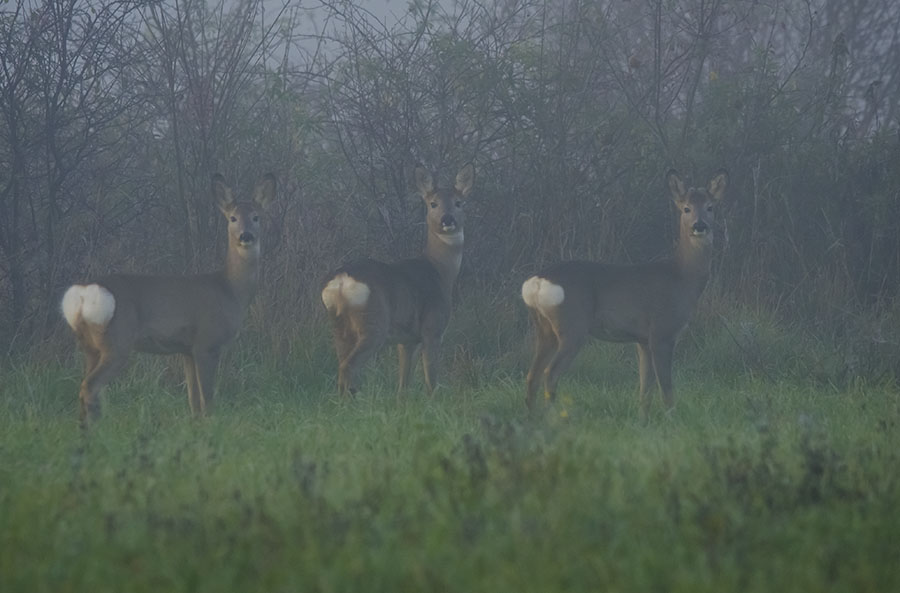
x: 766, y: 478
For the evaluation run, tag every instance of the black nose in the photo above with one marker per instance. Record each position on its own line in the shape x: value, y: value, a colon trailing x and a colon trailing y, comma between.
x: 246, y: 237
x: 700, y: 227
x: 448, y: 220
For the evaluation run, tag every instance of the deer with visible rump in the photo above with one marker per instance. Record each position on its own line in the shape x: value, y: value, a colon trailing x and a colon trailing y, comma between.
x: 407, y: 302
x: 648, y: 304
x: 193, y: 316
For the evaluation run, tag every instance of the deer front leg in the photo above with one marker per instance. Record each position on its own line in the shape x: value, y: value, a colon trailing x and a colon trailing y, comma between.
x: 662, y: 351
x: 406, y: 355
x: 431, y: 358
x: 206, y: 362
x: 647, y: 375
x: 190, y: 381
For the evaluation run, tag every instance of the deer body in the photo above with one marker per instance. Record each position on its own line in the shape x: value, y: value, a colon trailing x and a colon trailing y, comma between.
x: 189, y: 315
x: 649, y: 304
x: 407, y: 303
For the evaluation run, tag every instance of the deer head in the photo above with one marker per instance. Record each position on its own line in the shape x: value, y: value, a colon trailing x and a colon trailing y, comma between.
x: 445, y: 216
x: 697, y: 206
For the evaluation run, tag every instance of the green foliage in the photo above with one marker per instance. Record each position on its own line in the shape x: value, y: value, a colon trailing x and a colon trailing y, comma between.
x: 761, y: 479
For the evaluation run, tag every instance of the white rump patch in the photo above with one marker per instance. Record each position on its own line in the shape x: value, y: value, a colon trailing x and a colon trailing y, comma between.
x: 343, y: 289
x: 541, y: 294
x: 92, y: 304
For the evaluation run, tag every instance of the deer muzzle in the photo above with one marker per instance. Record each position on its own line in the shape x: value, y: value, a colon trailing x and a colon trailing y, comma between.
x: 448, y: 223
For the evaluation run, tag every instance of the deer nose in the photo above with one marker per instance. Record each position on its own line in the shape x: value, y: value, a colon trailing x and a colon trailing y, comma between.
x: 447, y: 221
x: 700, y: 227
x: 246, y: 237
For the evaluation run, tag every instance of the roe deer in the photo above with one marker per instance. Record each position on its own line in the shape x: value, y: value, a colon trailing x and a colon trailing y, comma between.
x: 646, y: 303
x: 189, y: 315
x: 406, y: 302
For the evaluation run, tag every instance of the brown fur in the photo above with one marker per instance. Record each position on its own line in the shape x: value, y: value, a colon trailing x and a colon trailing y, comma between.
x: 193, y: 316
x: 648, y: 304
x: 409, y: 301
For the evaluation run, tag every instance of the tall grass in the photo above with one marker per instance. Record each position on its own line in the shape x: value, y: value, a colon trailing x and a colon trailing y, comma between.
x: 765, y: 478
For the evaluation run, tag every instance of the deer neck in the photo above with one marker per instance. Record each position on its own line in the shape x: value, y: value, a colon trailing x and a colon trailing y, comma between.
x: 242, y: 271
x: 693, y: 260
x: 445, y: 254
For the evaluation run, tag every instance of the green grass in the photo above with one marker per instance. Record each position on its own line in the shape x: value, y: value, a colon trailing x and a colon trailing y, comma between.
x: 758, y: 482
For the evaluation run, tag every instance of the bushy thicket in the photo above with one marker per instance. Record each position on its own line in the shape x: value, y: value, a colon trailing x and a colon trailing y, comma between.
x: 115, y: 114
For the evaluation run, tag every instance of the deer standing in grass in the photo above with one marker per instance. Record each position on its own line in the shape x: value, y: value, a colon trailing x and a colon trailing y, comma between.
x: 405, y: 302
x: 193, y: 316
x: 646, y: 303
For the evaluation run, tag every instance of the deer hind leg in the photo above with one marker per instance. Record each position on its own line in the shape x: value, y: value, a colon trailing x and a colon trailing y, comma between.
x: 206, y: 361
x: 91, y: 359
x: 662, y: 351
x: 406, y: 353
x: 345, y: 340
x: 545, y: 346
x: 109, y: 363
x: 369, y: 340
x: 570, y: 342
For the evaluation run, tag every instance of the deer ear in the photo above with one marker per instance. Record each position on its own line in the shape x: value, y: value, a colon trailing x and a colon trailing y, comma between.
x: 717, y: 184
x: 264, y: 194
x: 222, y: 193
x: 424, y: 183
x: 676, y: 186
x: 465, y: 178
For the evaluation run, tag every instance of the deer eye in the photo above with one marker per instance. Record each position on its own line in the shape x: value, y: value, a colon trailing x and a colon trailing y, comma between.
x: 709, y: 208
x: 234, y: 219
x: 255, y: 218
x: 459, y: 203
x: 687, y: 208
x: 434, y: 204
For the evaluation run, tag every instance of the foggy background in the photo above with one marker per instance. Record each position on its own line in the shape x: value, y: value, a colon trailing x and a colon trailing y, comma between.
x: 115, y: 113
